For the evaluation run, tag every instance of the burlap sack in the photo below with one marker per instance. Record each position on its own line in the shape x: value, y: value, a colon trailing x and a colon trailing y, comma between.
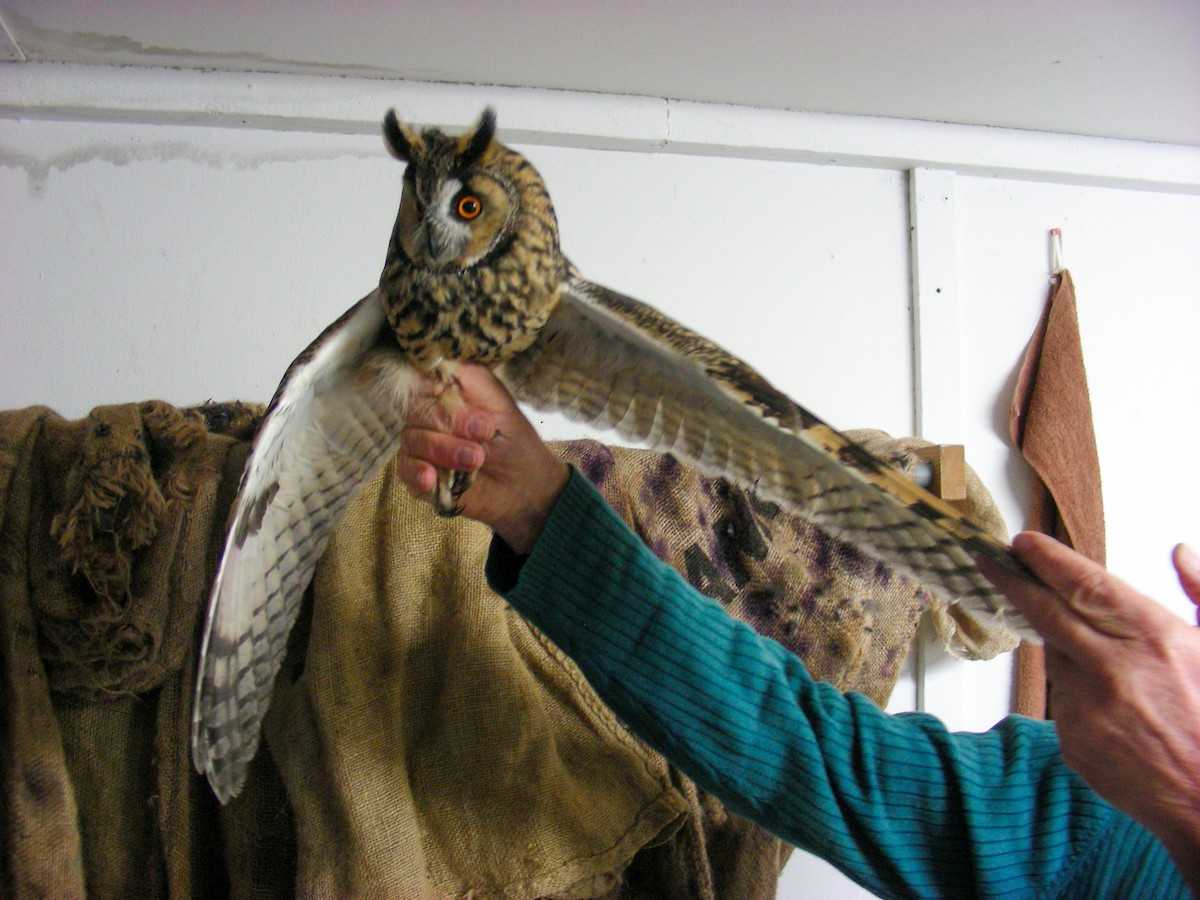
x: 424, y: 739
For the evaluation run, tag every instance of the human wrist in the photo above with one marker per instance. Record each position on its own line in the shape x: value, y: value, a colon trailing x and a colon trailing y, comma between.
x: 1184, y: 847
x: 1189, y: 866
x: 522, y: 524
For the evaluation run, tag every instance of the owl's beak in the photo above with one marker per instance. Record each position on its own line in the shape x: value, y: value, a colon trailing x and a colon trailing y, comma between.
x: 443, y: 243
x: 439, y: 245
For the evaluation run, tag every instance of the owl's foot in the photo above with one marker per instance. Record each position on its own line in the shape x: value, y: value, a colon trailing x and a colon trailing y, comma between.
x: 451, y: 485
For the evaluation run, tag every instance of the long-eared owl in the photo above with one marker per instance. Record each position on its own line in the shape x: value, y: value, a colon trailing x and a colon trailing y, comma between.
x: 474, y: 273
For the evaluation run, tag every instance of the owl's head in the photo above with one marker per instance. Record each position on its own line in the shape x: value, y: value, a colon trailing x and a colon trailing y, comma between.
x: 464, y: 197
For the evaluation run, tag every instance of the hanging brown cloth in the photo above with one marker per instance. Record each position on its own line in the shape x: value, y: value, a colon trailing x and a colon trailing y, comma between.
x: 1050, y: 420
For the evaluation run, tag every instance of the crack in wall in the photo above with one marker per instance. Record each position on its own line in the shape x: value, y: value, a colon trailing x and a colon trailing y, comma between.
x: 38, y: 169
x: 16, y: 54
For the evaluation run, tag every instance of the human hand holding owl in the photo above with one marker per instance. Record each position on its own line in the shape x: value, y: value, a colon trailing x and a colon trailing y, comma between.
x: 519, y: 478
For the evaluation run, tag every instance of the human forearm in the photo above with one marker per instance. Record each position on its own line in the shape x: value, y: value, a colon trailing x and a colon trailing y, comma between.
x: 898, y: 803
x: 1126, y: 677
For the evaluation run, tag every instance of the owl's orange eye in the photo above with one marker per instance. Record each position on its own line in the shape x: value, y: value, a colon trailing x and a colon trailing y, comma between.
x: 469, y: 207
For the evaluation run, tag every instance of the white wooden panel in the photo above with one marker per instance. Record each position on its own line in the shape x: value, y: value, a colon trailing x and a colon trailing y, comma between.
x: 801, y: 270
x: 190, y: 263
x: 180, y: 263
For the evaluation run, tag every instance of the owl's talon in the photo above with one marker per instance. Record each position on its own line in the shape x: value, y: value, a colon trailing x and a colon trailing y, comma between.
x: 451, y: 485
x: 460, y: 482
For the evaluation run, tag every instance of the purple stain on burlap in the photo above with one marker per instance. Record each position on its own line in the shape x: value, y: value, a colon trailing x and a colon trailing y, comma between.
x: 595, y: 461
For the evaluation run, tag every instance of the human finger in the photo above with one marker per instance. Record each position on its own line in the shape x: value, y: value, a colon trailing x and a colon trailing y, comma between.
x: 465, y: 420
x: 1187, y: 566
x: 1041, y: 606
x: 1091, y: 599
x: 481, y: 388
x: 418, y: 476
x: 445, y: 451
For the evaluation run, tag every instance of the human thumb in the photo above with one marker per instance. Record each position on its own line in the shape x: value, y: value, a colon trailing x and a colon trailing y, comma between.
x: 1187, y: 565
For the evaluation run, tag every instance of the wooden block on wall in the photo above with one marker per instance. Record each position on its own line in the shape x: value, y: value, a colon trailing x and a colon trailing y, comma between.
x: 948, y: 462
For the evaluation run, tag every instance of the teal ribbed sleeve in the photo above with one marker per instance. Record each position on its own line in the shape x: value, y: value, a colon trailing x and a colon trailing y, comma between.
x: 898, y: 803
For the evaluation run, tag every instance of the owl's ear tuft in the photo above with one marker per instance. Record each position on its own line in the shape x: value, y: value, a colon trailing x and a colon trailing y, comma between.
x: 400, y: 139
x: 476, y: 141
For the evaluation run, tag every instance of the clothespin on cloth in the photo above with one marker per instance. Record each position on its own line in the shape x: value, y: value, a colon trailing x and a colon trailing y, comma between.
x: 1056, y: 254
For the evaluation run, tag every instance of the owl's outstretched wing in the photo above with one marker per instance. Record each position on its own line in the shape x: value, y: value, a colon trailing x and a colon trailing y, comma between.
x: 334, y: 421
x: 613, y: 362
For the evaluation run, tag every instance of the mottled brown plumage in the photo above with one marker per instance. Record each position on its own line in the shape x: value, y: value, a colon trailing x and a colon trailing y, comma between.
x: 492, y: 307
x: 474, y: 273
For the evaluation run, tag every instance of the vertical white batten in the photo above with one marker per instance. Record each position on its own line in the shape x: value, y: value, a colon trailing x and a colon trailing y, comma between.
x: 952, y: 689
x: 937, y: 363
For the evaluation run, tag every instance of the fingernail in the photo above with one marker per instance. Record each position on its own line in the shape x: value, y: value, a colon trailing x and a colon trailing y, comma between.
x: 1188, y: 557
x: 467, y: 457
x: 1023, y: 541
x: 426, y: 481
x: 478, y: 428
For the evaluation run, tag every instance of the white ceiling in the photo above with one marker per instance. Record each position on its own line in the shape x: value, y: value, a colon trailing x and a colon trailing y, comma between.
x: 1126, y: 69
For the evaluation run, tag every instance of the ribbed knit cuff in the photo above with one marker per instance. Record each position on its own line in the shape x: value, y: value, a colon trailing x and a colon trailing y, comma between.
x: 575, y: 507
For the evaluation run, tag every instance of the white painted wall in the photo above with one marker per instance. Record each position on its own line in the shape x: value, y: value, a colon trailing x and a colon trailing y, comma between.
x: 155, y: 245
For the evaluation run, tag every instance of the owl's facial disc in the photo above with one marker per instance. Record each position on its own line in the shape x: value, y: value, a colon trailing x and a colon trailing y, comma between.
x: 456, y: 225
x: 435, y: 236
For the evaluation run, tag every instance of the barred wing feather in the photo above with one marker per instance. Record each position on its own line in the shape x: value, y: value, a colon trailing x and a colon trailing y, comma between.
x: 613, y: 362
x: 334, y: 422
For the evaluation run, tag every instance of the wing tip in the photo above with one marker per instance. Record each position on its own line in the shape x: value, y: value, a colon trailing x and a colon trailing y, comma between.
x: 226, y: 774
x: 221, y: 749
